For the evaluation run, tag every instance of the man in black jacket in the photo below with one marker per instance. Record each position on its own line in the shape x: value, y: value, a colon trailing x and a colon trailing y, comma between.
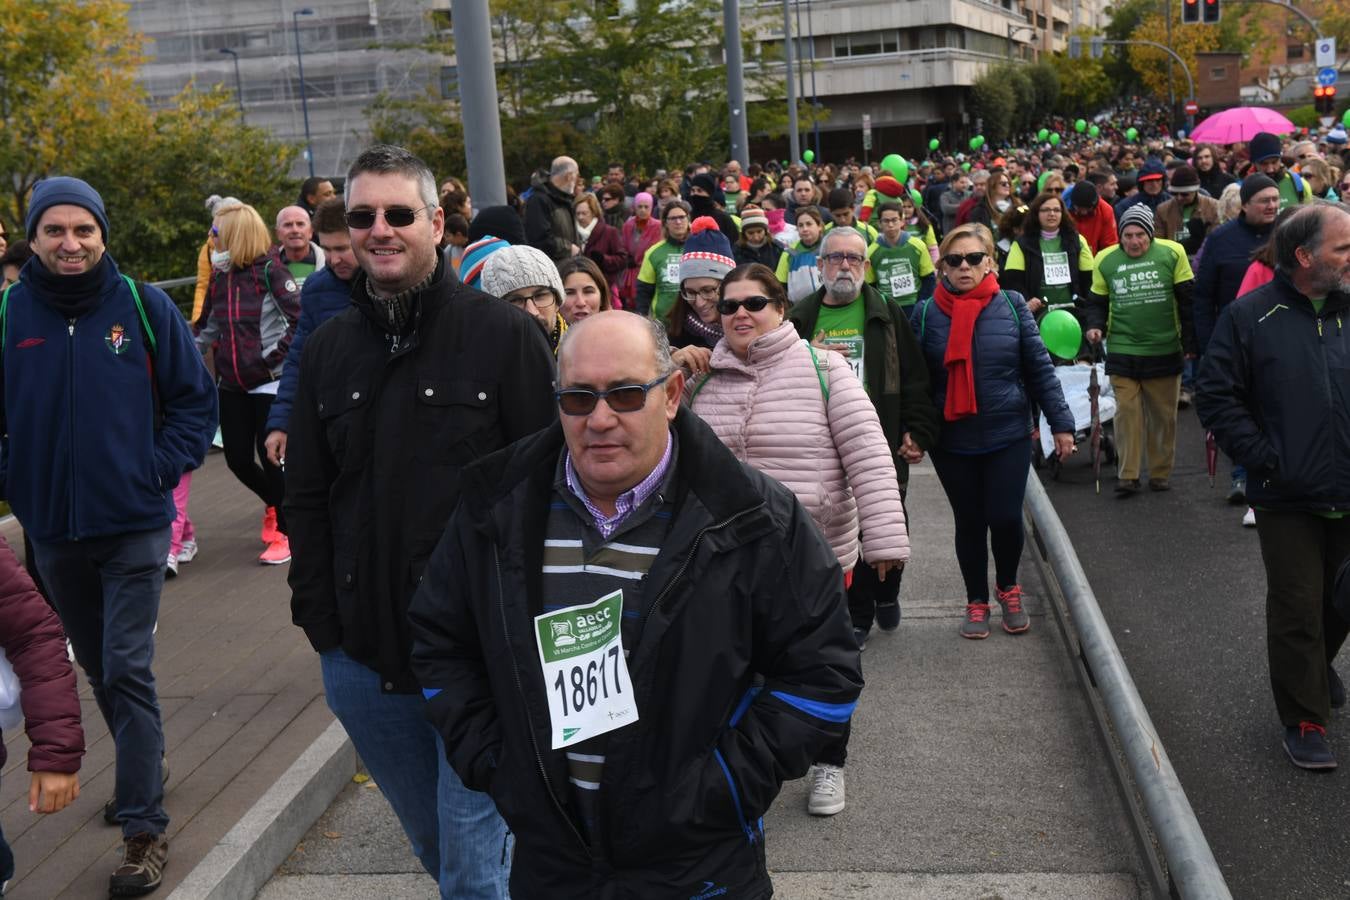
x: 549, y: 222
x: 419, y: 377
x: 1274, y: 387
x: 630, y: 639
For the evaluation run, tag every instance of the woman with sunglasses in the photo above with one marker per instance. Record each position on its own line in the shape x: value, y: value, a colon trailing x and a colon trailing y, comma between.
x: 800, y: 415
x: 249, y: 316
x: 988, y: 364
x: 997, y: 200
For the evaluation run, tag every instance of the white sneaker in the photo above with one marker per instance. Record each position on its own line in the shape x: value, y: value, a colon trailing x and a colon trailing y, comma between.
x: 827, y: 790
x: 1249, y: 518
x: 188, y: 552
x: 171, y: 566
x: 70, y: 651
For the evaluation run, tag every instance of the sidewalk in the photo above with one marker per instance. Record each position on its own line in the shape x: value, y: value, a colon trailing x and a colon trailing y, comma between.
x: 241, y: 699
x: 974, y: 772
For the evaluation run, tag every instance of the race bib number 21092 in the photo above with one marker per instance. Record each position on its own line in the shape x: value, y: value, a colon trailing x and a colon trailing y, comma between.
x: 585, y: 672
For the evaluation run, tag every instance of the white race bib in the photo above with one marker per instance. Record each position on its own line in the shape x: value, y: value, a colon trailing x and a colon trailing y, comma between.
x: 1183, y: 235
x: 585, y: 672
x: 855, y: 356
x: 673, y: 269
x: 1056, y: 268
x: 901, y: 278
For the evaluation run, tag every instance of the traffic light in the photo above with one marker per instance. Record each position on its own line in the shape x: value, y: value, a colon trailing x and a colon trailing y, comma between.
x: 1190, y: 12
x: 1211, y: 16
x: 1324, y: 100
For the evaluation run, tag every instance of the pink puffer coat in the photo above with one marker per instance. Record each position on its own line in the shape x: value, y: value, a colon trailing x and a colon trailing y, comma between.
x: 770, y: 411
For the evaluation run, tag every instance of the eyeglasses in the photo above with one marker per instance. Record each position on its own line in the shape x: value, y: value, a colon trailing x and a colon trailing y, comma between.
x: 623, y: 399
x: 394, y: 217
x: 215, y: 232
x: 542, y: 298
x: 703, y: 293
x: 674, y: 218
x: 1343, y: 187
x: 954, y: 260
x: 751, y: 304
x: 838, y: 259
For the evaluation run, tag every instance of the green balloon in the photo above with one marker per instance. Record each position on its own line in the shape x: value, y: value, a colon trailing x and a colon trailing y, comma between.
x: 1345, y: 118
x: 916, y: 197
x: 1094, y: 131
x: 965, y: 167
x: 1054, y: 139
x: 809, y: 156
x: 1061, y: 333
x: 1080, y: 126
x: 933, y: 144
x: 1042, y: 134
x: 1131, y: 133
x: 1040, y: 181
x: 895, y: 164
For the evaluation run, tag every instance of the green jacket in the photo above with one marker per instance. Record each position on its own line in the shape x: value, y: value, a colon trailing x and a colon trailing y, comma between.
x: 897, y: 376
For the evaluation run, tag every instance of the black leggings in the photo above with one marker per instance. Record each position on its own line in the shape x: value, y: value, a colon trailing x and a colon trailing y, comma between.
x: 243, y: 429
x: 986, y: 492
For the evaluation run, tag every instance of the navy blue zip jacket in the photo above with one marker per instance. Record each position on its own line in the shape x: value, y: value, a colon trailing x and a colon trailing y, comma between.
x: 83, y: 457
x: 1274, y: 387
x: 1224, y: 259
x: 323, y: 296
x: 1011, y: 362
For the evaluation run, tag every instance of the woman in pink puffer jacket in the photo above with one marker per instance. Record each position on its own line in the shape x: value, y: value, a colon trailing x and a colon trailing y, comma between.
x: 765, y: 397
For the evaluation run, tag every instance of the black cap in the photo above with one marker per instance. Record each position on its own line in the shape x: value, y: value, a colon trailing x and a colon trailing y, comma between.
x: 1083, y: 196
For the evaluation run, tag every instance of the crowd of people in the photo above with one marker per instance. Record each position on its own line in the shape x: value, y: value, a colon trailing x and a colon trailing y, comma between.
x: 512, y: 454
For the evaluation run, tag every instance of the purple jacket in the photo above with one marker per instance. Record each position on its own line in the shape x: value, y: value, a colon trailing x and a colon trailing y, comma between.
x: 35, y: 645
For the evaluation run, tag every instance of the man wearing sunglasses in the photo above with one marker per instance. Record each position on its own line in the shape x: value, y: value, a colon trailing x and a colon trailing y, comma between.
x: 590, y: 630
x: 852, y: 316
x: 417, y: 378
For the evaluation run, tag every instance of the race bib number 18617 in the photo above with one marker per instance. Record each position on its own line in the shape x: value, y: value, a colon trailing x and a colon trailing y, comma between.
x: 585, y: 673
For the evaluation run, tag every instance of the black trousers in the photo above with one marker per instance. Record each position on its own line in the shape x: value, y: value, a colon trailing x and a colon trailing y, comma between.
x: 868, y: 591
x: 1302, y: 552
x: 986, y: 492
x: 243, y: 429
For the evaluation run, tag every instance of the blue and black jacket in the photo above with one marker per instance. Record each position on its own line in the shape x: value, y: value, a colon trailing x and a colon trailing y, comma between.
x: 323, y: 296
x: 92, y: 444
x: 744, y: 586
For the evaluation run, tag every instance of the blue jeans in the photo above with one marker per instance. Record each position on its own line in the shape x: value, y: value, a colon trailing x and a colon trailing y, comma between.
x: 456, y: 833
x: 106, y: 591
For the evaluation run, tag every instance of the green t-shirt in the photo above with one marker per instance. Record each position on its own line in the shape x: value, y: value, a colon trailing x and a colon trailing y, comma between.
x: 1289, y: 196
x: 844, y: 325
x: 898, y: 271
x: 1057, y: 288
x: 661, y: 267
x: 1142, y: 318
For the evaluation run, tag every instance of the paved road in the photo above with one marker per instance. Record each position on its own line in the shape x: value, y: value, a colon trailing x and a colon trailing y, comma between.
x: 1183, y: 588
x: 974, y: 771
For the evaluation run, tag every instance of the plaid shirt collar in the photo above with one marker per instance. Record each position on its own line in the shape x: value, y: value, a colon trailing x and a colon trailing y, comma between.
x: 629, y: 500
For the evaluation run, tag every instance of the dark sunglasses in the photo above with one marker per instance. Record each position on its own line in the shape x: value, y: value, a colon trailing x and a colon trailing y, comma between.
x: 394, y: 216
x: 751, y: 304
x: 953, y: 260
x: 1343, y: 187
x: 623, y: 399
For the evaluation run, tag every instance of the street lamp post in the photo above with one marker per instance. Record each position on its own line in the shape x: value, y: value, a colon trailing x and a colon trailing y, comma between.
x: 304, y: 100
x: 1012, y: 30
x: 238, y: 85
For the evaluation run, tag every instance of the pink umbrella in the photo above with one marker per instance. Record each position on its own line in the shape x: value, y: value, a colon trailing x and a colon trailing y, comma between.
x: 1240, y: 124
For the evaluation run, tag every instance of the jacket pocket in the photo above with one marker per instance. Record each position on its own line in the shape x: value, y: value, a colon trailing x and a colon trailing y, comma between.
x: 340, y: 410
x: 456, y: 420
x: 751, y: 833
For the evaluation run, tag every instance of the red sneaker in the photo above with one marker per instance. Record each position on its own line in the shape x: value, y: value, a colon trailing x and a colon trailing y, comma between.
x: 277, y: 553
x: 270, y: 535
x: 1015, y: 619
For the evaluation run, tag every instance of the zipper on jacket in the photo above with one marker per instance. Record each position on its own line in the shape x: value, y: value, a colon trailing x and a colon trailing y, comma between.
x: 515, y: 670
x: 70, y: 417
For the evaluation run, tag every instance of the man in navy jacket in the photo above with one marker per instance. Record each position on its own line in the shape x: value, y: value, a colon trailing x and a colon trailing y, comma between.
x: 1274, y: 388
x: 105, y: 404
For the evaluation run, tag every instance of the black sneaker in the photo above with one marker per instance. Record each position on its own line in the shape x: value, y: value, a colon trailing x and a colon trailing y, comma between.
x: 110, y: 808
x: 1336, y: 688
x: 860, y: 635
x: 888, y: 616
x: 143, y: 859
x: 1306, y: 744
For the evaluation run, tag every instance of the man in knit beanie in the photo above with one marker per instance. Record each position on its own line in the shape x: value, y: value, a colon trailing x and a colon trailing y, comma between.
x: 527, y: 279
x: 1142, y: 288
x: 1268, y: 158
x: 91, y: 465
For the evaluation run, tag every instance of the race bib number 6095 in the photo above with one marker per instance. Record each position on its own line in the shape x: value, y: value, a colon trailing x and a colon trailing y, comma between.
x: 585, y: 672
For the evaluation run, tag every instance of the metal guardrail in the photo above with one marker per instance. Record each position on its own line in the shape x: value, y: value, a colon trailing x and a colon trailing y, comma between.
x: 174, y: 282
x: 1191, y: 864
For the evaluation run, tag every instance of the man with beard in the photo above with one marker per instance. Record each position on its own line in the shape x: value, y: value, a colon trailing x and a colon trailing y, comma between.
x: 549, y: 225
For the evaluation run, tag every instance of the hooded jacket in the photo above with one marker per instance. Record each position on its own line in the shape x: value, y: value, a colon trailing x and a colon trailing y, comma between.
x: 1274, y: 389
x: 381, y: 430
x: 323, y: 296
x: 744, y: 587
x: 771, y: 412
x: 1223, y: 264
x: 250, y: 315
x: 92, y: 445
x: 35, y: 645
x: 1098, y: 229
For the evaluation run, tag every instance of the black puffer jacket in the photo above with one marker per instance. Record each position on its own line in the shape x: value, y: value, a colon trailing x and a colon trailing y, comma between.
x: 746, y: 586
x: 1274, y: 387
x: 549, y: 224
x: 381, y: 429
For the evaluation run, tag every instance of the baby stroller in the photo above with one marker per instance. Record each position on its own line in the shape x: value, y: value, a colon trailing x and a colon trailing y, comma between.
x: 1088, y: 392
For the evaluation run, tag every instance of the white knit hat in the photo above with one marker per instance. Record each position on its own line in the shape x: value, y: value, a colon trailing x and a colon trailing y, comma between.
x: 513, y: 268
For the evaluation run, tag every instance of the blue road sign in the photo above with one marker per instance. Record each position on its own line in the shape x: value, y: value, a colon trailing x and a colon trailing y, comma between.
x: 1327, y: 76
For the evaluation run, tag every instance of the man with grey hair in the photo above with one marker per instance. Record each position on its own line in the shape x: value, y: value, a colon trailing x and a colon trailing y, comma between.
x: 295, y: 234
x: 1272, y: 388
x: 852, y: 317
x: 549, y: 222
x: 630, y: 638
x: 418, y: 377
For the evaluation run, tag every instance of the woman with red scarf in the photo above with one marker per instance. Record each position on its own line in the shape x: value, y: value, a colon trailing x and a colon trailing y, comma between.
x: 987, y: 363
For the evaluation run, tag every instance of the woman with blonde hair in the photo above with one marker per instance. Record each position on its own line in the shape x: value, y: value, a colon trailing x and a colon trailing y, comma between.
x: 249, y: 316
x: 600, y: 242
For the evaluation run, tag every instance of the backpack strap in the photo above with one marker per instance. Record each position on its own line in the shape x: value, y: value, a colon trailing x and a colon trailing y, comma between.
x: 698, y: 387
x: 150, y: 340
x: 4, y: 325
x: 815, y: 360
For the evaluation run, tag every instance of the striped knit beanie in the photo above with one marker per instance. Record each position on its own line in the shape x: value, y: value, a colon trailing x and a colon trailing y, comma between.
x: 707, y: 252
x: 1139, y: 215
x: 475, y: 255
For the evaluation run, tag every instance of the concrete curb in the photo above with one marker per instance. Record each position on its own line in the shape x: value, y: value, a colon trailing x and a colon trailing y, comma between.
x: 248, y: 855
